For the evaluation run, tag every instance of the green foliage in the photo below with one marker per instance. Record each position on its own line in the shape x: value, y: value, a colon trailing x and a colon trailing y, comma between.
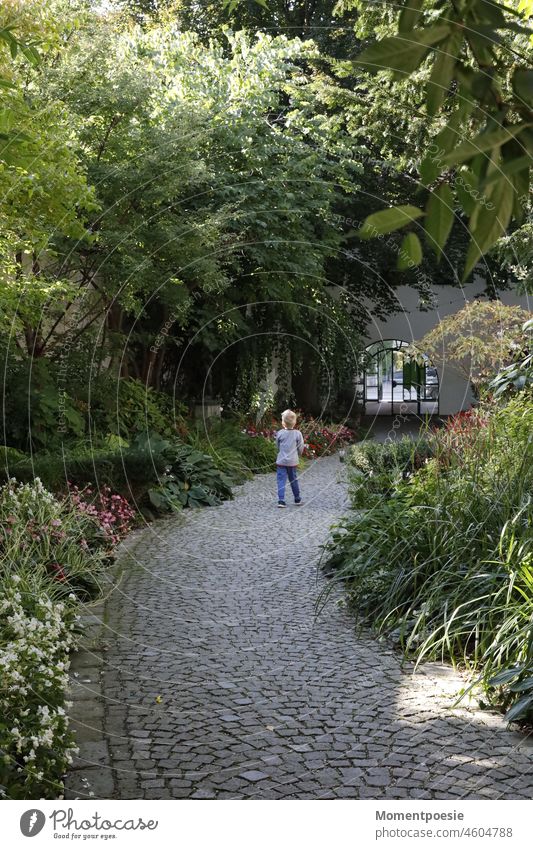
x: 243, y: 213
x: 190, y: 480
x: 519, y: 374
x: 52, y: 556
x: 141, y: 409
x: 377, y: 469
x: 471, y: 91
x: 443, y: 562
x: 478, y: 339
x: 37, y: 411
x: 129, y: 471
x: 236, y: 453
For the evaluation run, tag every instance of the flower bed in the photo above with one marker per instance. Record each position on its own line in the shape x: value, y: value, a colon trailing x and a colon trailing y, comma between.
x: 53, y: 553
x: 320, y: 439
x: 442, y: 558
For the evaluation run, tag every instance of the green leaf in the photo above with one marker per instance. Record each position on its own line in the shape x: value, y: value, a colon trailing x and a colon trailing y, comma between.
x: 466, y: 186
x: 442, y: 74
x: 388, y: 220
x: 490, y: 11
x: 515, y: 165
x: 520, y: 708
x: 505, y: 677
x: 401, y: 53
x: 30, y: 53
x: 490, y: 223
x: 409, y: 15
x: 482, y: 143
x: 410, y: 252
x: 523, y: 85
x: 439, y: 217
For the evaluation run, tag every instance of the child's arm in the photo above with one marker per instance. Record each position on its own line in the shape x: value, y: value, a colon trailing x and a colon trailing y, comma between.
x: 300, y: 444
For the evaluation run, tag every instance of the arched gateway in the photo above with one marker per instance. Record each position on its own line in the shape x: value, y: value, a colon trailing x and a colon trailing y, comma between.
x: 392, y: 381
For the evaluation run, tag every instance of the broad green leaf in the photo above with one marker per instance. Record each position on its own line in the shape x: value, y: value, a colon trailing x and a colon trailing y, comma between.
x: 410, y: 252
x: 442, y: 74
x: 429, y: 170
x: 505, y: 677
x: 466, y: 186
x: 31, y: 54
x: 520, y: 708
x: 483, y: 142
x: 388, y: 220
x: 482, y: 85
x: 523, y: 84
x: 409, y: 15
x: 439, y: 217
x: 491, y: 222
x: 481, y: 40
x: 402, y: 53
x: 490, y: 11
x: 521, y: 163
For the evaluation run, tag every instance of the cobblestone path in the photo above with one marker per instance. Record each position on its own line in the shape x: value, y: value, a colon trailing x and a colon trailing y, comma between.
x: 209, y: 676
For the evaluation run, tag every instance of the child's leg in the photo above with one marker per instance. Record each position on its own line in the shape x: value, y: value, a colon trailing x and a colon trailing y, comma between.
x: 293, y: 478
x: 281, y: 474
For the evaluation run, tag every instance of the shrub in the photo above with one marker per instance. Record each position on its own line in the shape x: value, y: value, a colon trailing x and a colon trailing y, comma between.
x: 53, y: 553
x: 44, y: 537
x: 236, y: 451
x: 322, y: 439
x: 445, y: 564
x: 36, y: 414
x: 191, y: 479
x: 36, y: 636
x: 138, y: 409
x: 376, y: 469
x: 128, y: 471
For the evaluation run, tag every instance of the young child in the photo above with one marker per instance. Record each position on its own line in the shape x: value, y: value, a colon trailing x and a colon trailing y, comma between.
x: 290, y: 445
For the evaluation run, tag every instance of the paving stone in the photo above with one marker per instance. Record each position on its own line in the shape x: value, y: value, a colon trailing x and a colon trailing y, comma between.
x: 253, y: 775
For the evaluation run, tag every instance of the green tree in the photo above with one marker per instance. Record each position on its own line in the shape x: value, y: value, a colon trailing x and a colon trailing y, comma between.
x: 480, y: 85
x: 215, y: 196
x: 479, y: 340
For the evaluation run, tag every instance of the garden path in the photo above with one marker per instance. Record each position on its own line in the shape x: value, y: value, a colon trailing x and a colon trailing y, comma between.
x: 208, y: 675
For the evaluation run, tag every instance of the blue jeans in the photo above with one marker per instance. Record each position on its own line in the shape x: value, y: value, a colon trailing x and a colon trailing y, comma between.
x: 289, y: 472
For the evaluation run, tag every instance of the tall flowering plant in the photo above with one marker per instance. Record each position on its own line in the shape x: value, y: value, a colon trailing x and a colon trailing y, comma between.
x: 53, y: 554
x: 460, y: 433
x: 36, y: 637
x: 322, y: 440
x: 45, y: 537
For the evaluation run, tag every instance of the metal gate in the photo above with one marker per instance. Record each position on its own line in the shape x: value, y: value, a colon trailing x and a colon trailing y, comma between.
x: 393, y: 381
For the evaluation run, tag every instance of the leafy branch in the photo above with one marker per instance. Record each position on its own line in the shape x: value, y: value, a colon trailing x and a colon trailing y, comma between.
x: 486, y: 177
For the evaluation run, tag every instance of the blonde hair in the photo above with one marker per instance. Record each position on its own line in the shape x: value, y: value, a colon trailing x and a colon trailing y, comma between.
x: 288, y: 417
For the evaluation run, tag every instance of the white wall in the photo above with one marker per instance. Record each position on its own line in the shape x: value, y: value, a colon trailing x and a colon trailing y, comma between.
x: 410, y: 324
